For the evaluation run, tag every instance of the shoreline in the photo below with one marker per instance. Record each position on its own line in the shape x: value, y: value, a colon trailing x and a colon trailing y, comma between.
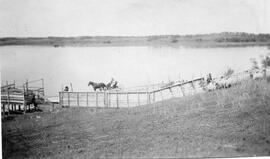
x: 202, y: 40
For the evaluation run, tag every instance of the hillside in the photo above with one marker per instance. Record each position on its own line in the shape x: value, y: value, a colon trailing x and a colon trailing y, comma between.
x: 224, y: 123
x: 224, y: 39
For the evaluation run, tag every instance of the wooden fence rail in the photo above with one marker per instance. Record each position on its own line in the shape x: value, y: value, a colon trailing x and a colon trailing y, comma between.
x: 103, y: 99
x: 128, y: 99
x: 16, y: 98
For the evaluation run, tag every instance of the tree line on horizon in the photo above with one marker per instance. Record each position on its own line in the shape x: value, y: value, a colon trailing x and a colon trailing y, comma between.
x: 230, y: 37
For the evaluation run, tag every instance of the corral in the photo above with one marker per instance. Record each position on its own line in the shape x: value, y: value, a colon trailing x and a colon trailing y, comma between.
x: 117, y: 99
x: 17, y: 98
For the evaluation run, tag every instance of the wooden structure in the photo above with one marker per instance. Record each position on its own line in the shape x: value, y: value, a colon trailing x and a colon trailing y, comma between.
x: 120, y: 99
x: 17, y: 98
x: 103, y: 99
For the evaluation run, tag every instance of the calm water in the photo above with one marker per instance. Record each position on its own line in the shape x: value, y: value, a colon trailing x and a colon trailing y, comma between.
x: 130, y: 66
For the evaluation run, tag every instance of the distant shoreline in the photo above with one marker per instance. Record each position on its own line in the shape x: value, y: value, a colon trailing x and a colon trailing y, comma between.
x: 226, y: 39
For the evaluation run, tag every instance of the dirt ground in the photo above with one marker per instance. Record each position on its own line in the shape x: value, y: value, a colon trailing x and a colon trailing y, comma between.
x: 195, y: 126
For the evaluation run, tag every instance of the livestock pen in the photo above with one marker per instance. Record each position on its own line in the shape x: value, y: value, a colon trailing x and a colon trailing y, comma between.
x: 17, y: 98
x: 118, y: 99
x: 103, y: 99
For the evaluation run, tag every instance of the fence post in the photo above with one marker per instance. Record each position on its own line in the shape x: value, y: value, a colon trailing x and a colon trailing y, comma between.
x: 24, y: 102
x: 78, y: 101
x: 193, y: 86
x: 87, y: 99
x: 8, y: 100
x: 26, y: 84
x: 138, y: 99
x: 104, y: 98
x: 148, y: 98
x: 128, y: 100
x: 60, y: 98
x: 43, y: 91
x: 109, y: 99
x: 96, y: 99
x: 183, y: 92
x: 117, y: 102
x: 154, y: 96
x: 171, y: 91
x: 68, y: 99
x: 161, y: 95
x: 4, y: 113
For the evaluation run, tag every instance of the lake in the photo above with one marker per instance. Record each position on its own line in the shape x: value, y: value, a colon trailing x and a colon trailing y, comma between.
x: 131, y: 66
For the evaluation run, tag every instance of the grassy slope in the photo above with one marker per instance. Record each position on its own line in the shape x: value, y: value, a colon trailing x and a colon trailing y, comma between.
x: 232, y: 122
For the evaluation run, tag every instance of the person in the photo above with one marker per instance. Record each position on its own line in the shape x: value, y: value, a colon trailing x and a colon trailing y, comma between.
x: 209, y: 78
x: 115, y: 85
x: 110, y: 84
x: 251, y: 76
x: 34, y: 101
x: 66, y: 89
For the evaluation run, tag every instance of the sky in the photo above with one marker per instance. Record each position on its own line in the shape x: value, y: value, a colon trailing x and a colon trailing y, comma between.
x: 37, y: 18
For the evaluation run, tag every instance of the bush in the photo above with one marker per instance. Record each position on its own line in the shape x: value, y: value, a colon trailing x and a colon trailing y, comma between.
x: 228, y: 72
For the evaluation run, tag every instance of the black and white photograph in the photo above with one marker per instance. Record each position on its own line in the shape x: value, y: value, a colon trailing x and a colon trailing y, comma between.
x: 135, y: 78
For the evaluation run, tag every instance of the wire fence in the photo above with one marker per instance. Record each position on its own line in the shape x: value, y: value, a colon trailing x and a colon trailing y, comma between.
x: 129, y: 99
x: 103, y: 99
x: 136, y: 98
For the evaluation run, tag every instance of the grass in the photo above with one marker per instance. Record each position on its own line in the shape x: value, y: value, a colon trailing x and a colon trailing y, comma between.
x: 224, y: 123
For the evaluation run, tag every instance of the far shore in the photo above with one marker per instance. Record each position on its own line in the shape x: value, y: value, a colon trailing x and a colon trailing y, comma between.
x: 202, y: 40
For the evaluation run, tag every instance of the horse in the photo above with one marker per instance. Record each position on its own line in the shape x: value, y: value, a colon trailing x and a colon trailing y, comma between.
x: 100, y: 86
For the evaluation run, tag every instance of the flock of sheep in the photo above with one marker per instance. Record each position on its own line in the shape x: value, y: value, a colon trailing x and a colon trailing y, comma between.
x: 234, y: 79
